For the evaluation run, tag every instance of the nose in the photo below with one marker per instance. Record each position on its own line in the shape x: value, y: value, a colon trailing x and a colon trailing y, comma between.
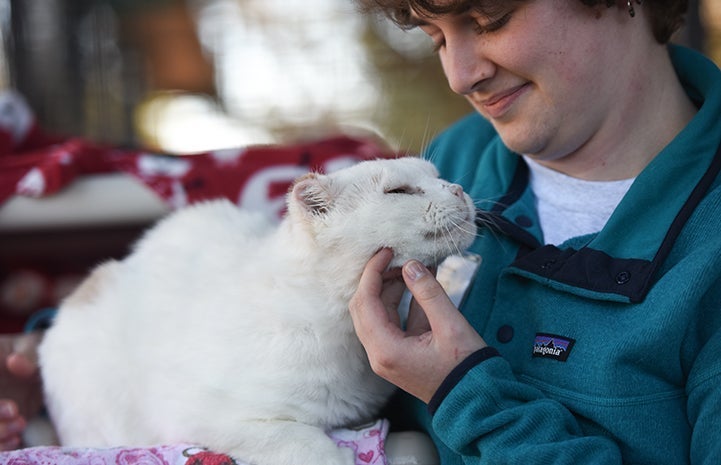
x: 465, y: 65
x: 456, y: 190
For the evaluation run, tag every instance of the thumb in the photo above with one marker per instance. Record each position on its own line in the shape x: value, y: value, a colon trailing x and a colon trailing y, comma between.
x: 451, y: 330
x: 428, y: 293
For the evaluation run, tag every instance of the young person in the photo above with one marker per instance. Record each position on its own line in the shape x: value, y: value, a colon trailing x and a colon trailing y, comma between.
x: 591, y: 330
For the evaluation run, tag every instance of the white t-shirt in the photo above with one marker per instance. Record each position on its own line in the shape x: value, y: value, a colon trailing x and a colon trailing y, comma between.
x: 569, y: 207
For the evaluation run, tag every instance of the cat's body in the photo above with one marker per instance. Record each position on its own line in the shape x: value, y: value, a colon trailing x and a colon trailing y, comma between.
x: 223, y: 330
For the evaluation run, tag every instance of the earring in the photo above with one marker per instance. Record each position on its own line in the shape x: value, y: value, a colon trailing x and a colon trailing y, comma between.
x: 631, y: 11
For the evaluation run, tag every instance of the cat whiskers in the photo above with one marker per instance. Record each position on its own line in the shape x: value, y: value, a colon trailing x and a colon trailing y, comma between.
x: 453, y: 245
x: 488, y: 203
x: 484, y: 221
x: 462, y: 225
x: 426, y: 154
x: 426, y: 139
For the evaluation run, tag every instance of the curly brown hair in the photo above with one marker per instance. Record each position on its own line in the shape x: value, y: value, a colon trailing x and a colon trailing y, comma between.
x: 666, y: 16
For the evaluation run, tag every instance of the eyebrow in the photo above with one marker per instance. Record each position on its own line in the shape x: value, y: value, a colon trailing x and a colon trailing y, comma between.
x: 415, y: 20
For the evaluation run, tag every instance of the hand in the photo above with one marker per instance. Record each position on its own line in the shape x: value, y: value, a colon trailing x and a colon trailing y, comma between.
x: 436, y: 338
x: 20, y: 388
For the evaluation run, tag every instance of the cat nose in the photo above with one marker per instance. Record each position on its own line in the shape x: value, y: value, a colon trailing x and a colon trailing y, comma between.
x: 456, y: 190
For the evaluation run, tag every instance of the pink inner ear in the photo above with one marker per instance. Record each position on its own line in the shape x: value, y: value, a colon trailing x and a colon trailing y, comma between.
x: 311, y: 194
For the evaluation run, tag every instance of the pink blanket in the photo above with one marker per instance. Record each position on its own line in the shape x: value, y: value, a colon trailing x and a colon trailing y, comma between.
x: 367, y: 444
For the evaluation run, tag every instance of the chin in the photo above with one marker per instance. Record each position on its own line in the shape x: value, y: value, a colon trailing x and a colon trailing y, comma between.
x: 524, y: 145
x: 529, y: 138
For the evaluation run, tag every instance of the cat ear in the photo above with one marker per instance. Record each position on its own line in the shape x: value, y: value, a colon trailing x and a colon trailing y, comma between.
x: 312, y: 194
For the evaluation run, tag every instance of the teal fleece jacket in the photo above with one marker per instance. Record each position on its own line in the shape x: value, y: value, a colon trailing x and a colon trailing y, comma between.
x: 607, y: 348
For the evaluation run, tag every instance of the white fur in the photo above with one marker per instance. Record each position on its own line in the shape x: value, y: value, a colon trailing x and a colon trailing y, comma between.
x: 223, y: 330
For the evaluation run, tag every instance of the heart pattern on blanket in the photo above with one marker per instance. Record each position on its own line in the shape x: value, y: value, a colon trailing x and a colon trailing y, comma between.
x: 367, y: 442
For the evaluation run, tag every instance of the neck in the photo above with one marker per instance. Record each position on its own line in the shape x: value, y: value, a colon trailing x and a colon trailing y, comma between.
x: 651, y: 109
x: 336, y: 272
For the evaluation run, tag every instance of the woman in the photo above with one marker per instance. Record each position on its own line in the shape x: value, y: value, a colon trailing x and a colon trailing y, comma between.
x: 590, y: 330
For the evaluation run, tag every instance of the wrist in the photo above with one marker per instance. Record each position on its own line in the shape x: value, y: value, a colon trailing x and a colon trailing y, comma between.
x: 457, y: 373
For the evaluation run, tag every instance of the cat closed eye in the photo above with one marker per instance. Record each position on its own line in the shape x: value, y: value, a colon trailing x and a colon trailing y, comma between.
x: 400, y: 190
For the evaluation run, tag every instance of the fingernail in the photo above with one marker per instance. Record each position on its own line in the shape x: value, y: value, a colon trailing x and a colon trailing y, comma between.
x: 414, y: 270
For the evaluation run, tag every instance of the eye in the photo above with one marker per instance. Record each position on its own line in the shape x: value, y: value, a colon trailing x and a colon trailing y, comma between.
x: 492, y: 26
x: 436, y: 37
x: 400, y: 190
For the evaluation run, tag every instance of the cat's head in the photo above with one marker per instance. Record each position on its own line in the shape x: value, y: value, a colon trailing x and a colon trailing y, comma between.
x: 399, y: 204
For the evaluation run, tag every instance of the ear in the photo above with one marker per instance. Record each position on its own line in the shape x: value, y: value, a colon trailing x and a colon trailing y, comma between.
x: 311, y: 194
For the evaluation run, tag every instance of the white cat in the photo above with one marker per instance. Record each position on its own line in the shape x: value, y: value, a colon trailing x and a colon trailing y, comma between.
x: 223, y: 330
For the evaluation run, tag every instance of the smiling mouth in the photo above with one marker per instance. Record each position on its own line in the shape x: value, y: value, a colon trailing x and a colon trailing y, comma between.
x: 496, y: 105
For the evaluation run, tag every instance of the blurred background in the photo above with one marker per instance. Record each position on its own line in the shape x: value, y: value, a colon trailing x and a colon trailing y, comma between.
x: 195, y: 75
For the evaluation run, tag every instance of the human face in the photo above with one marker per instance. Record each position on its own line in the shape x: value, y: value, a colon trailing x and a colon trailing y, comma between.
x: 540, y: 71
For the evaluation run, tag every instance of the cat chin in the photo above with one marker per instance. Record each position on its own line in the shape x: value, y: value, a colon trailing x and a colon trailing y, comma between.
x: 399, y: 261
x: 428, y: 256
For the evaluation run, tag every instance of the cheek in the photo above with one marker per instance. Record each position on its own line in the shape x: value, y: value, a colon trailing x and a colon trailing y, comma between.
x: 580, y: 65
x: 570, y: 68
x: 577, y: 51
x: 569, y: 53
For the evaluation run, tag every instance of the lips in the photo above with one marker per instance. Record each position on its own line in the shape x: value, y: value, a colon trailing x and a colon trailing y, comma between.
x: 497, y: 105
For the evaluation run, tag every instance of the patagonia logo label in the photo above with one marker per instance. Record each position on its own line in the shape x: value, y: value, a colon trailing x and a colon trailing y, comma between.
x: 552, y: 346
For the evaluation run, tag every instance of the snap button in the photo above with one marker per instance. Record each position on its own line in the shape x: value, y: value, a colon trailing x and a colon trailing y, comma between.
x: 504, y: 334
x: 623, y: 277
x: 524, y: 221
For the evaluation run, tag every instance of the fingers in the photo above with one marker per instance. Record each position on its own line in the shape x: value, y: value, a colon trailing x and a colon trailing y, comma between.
x: 417, y: 322
x: 436, y: 339
x: 372, y: 277
x: 23, y: 361
x: 429, y: 294
x: 11, y: 425
x: 370, y: 307
x: 20, y: 385
x: 437, y: 315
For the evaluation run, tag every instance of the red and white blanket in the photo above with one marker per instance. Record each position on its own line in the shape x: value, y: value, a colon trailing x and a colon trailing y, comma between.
x: 32, y: 163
